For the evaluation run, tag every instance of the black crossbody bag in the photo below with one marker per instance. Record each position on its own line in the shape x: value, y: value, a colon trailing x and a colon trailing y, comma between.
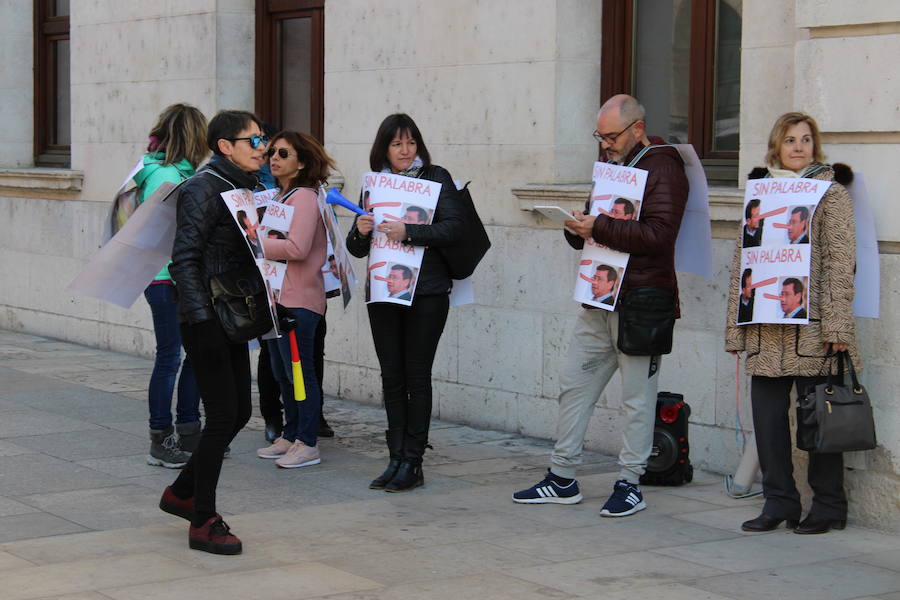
x: 646, y: 321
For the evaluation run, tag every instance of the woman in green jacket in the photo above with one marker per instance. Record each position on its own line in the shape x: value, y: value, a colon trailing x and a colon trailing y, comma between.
x: 177, y: 146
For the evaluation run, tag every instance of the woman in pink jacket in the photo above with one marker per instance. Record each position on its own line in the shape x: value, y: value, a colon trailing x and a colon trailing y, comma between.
x: 300, y: 165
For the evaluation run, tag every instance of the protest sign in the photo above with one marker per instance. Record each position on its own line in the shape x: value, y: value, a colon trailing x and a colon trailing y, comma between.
x: 393, y: 267
x: 337, y: 261
x: 775, y: 249
x: 242, y: 206
x: 617, y: 193
x: 128, y: 262
x: 693, y: 247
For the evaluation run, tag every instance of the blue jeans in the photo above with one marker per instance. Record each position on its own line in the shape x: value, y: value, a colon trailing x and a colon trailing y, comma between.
x: 163, y: 306
x: 301, y: 418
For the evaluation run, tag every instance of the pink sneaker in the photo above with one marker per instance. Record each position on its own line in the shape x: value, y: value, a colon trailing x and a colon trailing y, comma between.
x: 276, y: 450
x: 300, y: 455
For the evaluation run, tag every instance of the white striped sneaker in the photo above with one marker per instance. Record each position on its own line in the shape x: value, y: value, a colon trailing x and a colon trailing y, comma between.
x: 549, y: 491
x: 626, y: 499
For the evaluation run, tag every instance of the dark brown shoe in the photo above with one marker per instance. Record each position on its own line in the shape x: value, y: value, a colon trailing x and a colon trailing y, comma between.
x: 766, y: 523
x: 214, y: 537
x: 811, y: 525
x: 172, y: 504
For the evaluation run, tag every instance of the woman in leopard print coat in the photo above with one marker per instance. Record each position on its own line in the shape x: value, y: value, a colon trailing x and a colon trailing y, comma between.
x: 780, y: 357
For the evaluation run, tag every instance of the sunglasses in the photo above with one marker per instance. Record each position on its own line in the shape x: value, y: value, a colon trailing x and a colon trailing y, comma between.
x: 255, y: 140
x: 282, y: 153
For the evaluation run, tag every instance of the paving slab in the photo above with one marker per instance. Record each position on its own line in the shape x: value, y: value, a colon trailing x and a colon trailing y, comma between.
x: 305, y: 580
x: 79, y: 446
x: 26, y: 474
x: 833, y: 580
x: 35, y: 524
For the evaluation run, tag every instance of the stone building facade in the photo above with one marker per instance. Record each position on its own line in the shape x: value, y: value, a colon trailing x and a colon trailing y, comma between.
x: 505, y: 93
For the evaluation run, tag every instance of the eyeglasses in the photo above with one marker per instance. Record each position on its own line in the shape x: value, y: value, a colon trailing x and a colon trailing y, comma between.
x: 610, y: 138
x: 255, y: 140
x: 282, y: 153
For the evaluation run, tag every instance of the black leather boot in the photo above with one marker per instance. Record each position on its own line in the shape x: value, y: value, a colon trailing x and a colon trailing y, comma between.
x: 409, y: 476
x: 395, y: 447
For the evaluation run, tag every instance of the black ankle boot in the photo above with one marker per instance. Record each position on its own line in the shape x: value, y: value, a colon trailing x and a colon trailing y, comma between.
x: 409, y: 476
x: 382, y: 480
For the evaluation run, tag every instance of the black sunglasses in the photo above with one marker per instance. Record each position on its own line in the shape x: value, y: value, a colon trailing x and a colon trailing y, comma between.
x: 282, y: 153
x: 255, y: 140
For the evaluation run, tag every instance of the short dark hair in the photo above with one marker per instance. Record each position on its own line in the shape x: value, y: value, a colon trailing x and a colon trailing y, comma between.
x: 802, y: 211
x: 750, y: 206
x: 241, y: 215
x: 745, y: 276
x: 389, y: 129
x: 611, y: 273
x: 629, y: 207
x: 226, y: 125
x: 407, y: 272
x: 423, y: 214
x: 795, y: 283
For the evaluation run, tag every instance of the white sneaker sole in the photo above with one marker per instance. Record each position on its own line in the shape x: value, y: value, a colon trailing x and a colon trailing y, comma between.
x: 308, y: 463
x: 549, y: 500
x: 158, y: 462
x: 269, y: 455
x: 637, y: 508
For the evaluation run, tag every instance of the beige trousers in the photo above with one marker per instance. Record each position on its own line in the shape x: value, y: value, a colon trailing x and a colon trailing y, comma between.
x: 591, y: 360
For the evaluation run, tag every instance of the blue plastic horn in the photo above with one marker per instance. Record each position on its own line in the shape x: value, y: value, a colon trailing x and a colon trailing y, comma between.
x: 335, y: 197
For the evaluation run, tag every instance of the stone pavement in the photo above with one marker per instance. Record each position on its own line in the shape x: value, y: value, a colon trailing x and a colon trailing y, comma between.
x: 78, y: 515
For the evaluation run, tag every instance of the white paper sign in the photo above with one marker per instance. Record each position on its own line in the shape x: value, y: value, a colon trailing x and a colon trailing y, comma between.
x: 618, y: 193
x: 128, y: 262
x: 242, y: 206
x: 337, y: 259
x: 393, y: 267
x: 775, y: 252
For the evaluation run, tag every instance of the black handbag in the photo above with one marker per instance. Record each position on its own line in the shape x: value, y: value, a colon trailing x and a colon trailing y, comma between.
x: 835, y: 417
x: 646, y: 321
x: 463, y: 257
x: 241, y: 301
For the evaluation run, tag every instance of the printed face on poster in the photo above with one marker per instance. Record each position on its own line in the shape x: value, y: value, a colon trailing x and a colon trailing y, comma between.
x: 617, y: 194
x: 242, y: 206
x: 393, y: 266
x: 775, y: 249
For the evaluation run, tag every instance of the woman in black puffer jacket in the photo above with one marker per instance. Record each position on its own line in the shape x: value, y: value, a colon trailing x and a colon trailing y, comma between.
x: 208, y: 243
x: 406, y: 337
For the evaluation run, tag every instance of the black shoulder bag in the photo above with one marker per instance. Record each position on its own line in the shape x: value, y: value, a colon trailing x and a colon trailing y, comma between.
x: 835, y: 417
x: 646, y: 321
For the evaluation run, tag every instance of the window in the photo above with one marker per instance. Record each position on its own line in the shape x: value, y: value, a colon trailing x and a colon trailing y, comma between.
x: 52, y: 114
x: 290, y: 66
x: 682, y: 59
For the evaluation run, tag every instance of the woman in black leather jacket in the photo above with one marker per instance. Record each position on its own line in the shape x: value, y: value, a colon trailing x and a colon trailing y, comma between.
x: 208, y: 242
x: 406, y: 337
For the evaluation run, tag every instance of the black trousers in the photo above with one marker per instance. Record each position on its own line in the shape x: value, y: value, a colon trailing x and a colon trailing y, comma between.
x: 406, y: 339
x: 771, y: 401
x: 270, y: 406
x: 222, y: 371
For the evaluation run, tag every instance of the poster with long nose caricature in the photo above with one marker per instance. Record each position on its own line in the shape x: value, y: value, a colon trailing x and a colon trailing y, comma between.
x: 617, y: 193
x: 775, y: 249
x: 393, y: 268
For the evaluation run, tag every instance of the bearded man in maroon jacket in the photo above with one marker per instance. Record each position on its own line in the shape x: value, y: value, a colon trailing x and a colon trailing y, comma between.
x: 593, y: 356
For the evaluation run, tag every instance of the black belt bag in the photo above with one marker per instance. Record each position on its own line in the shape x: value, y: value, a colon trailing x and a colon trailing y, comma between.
x: 646, y: 321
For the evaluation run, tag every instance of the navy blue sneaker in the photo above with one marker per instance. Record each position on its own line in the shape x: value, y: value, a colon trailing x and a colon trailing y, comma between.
x: 626, y: 499
x: 549, y: 491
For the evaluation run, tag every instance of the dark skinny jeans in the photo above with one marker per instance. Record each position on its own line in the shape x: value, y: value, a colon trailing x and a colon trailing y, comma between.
x: 222, y: 371
x: 406, y: 339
